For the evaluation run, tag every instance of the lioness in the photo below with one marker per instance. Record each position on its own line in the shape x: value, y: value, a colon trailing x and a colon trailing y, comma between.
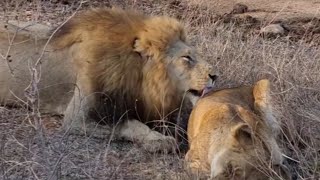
x: 230, y: 132
x: 129, y: 69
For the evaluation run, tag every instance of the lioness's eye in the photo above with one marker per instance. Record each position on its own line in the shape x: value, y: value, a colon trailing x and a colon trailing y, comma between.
x: 187, y: 58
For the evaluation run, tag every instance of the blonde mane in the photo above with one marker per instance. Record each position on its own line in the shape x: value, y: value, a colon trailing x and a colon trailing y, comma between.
x: 126, y: 73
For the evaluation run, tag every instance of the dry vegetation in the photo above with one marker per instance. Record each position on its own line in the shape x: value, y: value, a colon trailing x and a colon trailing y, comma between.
x: 29, y: 151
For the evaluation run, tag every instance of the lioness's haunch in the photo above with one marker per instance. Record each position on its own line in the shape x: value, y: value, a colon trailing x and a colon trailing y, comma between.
x: 231, y: 134
x: 126, y: 66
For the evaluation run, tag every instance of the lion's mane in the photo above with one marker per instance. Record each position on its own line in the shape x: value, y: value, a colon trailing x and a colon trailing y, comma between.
x: 102, y: 44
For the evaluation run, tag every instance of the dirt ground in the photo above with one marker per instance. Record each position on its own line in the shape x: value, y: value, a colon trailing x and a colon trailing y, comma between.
x: 299, y: 17
x: 229, y: 41
x: 54, y: 155
x: 268, y: 10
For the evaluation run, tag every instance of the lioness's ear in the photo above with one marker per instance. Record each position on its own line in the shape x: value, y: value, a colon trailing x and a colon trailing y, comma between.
x: 261, y: 92
x: 262, y: 104
x: 243, y: 134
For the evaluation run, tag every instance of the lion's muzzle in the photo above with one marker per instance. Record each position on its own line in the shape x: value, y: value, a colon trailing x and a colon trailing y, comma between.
x: 209, y: 87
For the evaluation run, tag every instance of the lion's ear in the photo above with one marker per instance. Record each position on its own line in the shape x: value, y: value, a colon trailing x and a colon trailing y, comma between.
x: 145, y: 47
x: 243, y: 134
x: 139, y: 48
x: 137, y: 45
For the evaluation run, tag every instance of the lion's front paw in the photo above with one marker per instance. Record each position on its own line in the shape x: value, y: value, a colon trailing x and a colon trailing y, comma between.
x: 161, y: 143
x: 150, y: 140
x: 91, y: 130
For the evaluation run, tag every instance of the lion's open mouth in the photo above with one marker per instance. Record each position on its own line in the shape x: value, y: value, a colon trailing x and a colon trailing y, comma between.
x: 195, y: 92
x: 206, y: 90
x: 201, y: 93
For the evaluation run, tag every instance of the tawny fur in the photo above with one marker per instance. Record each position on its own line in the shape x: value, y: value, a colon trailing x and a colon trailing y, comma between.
x: 230, y: 135
x: 56, y: 80
x: 102, y: 42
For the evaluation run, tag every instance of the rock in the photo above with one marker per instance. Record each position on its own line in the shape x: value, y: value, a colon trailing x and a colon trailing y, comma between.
x: 273, y: 30
x: 239, y: 9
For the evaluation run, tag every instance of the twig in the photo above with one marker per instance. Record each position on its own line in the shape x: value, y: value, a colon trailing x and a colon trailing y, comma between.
x: 47, y: 43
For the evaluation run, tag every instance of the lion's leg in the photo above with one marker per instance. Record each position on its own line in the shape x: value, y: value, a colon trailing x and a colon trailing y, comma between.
x: 152, y: 141
x: 76, y: 116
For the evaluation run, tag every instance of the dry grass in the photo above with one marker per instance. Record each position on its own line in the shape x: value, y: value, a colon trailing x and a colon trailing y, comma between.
x: 240, y: 58
x: 294, y: 71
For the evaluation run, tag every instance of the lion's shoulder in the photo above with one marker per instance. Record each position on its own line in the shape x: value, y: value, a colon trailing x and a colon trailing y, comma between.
x: 115, y: 25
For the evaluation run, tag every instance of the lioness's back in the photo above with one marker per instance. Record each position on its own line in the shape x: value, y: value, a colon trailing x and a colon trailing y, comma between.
x: 230, y: 134
x: 214, y: 107
x: 240, y: 95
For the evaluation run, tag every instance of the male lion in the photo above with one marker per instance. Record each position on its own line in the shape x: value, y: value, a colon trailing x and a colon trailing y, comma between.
x: 129, y: 69
x: 230, y: 132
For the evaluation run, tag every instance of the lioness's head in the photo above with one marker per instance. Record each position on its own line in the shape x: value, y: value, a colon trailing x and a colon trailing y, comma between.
x: 231, y: 134
x: 163, y: 43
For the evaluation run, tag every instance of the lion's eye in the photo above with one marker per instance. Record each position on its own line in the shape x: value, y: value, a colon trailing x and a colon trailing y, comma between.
x: 188, y: 59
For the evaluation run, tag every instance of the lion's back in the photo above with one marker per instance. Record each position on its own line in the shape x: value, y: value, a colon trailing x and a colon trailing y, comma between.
x: 112, y: 28
x: 53, y: 71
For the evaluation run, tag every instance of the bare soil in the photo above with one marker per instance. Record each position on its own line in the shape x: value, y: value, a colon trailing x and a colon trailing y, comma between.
x: 268, y: 10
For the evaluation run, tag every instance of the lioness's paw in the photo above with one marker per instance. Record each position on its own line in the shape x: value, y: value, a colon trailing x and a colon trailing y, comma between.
x: 164, y: 144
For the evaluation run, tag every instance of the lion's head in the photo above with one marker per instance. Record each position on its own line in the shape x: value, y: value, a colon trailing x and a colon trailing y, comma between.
x: 172, y: 66
x: 230, y: 134
x: 167, y: 45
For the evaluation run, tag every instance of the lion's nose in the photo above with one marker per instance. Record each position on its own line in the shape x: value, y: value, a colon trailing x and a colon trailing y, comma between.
x: 213, y: 77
